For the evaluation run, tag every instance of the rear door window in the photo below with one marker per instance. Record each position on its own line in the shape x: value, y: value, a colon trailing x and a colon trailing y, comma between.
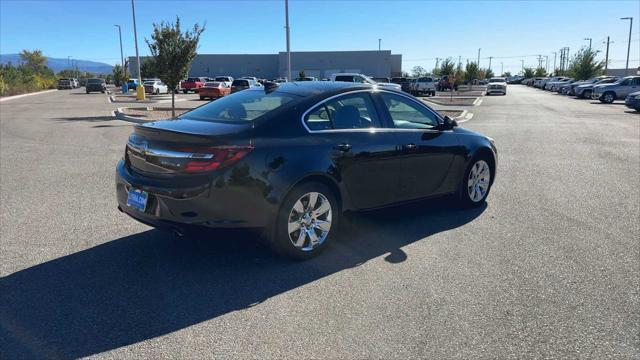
x: 407, y: 114
x: 352, y: 111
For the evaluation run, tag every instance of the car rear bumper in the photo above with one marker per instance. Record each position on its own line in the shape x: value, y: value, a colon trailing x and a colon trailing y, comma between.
x: 216, y: 202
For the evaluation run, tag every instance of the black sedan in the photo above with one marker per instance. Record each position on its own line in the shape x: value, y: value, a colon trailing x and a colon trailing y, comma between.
x: 291, y: 158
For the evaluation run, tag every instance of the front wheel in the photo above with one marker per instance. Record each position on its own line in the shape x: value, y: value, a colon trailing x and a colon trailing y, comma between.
x: 586, y: 94
x: 608, y: 97
x: 476, y: 183
x: 307, y: 219
x: 185, y: 91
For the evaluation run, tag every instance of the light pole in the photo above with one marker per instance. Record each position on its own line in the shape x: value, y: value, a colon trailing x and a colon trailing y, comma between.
x: 522, y: 67
x: 626, y: 72
x: 69, y: 62
x: 501, y: 68
x: 286, y: 16
x: 555, y: 54
x: 139, y: 87
x: 121, y: 56
x: 479, y: 58
x: 379, y: 44
x: 585, y: 39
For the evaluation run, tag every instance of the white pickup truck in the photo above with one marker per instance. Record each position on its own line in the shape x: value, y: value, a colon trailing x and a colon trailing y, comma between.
x: 359, y: 78
x: 424, y: 85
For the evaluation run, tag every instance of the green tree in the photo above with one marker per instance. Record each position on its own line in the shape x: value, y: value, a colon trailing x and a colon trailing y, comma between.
x: 118, y: 75
x: 584, y: 65
x: 460, y: 74
x: 488, y: 73
x: 33, y: 60
x: 528, y: 73
x: 173, y: 51
x: 540, y: 72
x: 448, y: 67
x: 418, y: 71
x: 301, y: 74
x: 507, y: 74
x: 67, y: 73
x: 472, y: 72
x: 148, y: 68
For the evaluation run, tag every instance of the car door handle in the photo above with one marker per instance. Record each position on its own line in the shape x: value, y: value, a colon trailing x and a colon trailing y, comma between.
x: 343, y: 147
x: 409, y: 146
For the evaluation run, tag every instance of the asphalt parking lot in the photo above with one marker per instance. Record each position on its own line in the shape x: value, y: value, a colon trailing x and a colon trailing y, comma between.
x: 547, y: 269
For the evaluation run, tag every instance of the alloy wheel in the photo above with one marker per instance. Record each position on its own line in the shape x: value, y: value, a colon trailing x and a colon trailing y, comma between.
x: 309, y: 221
x: 478, y: 181
x: 608, y: 98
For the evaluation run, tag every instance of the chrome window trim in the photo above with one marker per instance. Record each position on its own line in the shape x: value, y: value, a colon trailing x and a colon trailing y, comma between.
x: 372, y: 130
x: 146, y: 151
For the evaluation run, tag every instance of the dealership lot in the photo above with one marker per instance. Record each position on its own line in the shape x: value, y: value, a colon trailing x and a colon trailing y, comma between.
x: 547, y: 268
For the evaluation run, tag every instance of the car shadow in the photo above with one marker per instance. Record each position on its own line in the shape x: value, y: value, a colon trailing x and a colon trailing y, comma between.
x: 86, y: 118
x: 150, y: 284
x: 613, y: 103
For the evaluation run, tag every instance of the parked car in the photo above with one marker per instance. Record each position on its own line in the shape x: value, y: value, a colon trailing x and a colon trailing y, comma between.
x: 214, y: 90
x: 381, y: 79
x: 96, y: 85
x: 619, y: 90
x: 225, y: 79
x: 246, y: 161
x: 424, y: 85
x: 497, y: 85
x: 155, y: 87
x: 192, y: 84
x: 243, y: 84
x: 64, y: 84
x: 404, y: 83
x: 584, y: 91
x: 633, y: 101
x: 75, y: 83
x: 539, y: 82
x: 132, y: 84
x: 556, y: 86
x: 364, y: 79
x: 444, y: 84
x: 547, y: 83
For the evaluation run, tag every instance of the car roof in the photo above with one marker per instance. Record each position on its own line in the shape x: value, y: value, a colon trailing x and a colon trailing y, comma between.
x: 308, y: 88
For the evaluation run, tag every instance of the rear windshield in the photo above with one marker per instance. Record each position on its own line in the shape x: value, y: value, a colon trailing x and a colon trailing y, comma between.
x: 222, y: 78
x: 95, y: 81
x: 212, y: 84
x: 496, y: 80
x: 240, y: 83
x: 193, y: 79
x: 63, y: 82
x: 242, y: 106
x: 344, y: 78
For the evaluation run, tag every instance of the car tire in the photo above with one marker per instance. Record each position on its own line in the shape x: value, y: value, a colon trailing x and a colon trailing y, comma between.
x: 608, y: 97
x: 586, y: 94
x: 471, y: 192
x: 201, y: 97
x: 185, y: 91
x: 298, y: 226
x: 87, y: 92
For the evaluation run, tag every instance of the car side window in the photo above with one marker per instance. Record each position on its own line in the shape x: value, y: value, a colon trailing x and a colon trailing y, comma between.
x: 406, y: 114
x: 353, y: 111
x: 636, y: 81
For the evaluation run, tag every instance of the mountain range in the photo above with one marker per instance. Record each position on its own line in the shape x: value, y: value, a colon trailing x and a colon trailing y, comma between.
x: 57, y: 64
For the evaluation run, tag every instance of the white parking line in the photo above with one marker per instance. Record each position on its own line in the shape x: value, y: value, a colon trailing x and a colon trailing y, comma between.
x: 24, y: 95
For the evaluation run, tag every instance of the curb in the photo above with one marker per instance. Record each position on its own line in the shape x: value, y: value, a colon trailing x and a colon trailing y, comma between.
x: 25, y: 95
x: 120, y: 115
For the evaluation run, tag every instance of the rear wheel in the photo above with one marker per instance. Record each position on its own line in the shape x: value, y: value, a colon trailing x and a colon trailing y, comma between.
x: 476, y: 182
x: 586, y: 94
x: 608, y: 97
x: 185, y: 91
x: 201, y: 97
x: 307, y: 219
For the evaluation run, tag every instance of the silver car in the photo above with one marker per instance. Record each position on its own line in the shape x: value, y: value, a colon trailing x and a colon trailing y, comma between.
x: 584, y: 91
x: 608, y: 93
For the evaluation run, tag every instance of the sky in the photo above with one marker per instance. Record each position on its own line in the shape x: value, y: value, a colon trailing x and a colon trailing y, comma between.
x: 508, y: 31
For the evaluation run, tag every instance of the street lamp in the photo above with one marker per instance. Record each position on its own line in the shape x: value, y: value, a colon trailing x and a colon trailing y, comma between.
x: 590, y: 39
x: 286, y: 15
x: 139, y: 87
x: 379, y: 44
x: 626, y: 72
x: 479, y: 57
x: 121, y: 56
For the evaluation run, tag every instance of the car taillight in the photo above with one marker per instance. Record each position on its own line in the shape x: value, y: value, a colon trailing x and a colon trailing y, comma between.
x: 215, y: 157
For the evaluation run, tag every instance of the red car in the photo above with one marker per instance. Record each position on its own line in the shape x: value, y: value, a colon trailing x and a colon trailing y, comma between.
x: 214, y: 90
x: 192, y: 84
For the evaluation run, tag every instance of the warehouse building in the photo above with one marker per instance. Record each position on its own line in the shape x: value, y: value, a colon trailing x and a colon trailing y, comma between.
x: 320, y: 64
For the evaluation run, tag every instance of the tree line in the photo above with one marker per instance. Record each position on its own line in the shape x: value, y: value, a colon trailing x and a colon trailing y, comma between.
x: 582, y: 66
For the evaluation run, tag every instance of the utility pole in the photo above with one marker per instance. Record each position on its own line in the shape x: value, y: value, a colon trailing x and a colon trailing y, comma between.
x: 589, y: 42
x: 555, y: 54
x: 490, y: 57
x: 69, y: 62
x: 121, y: 56
x: 286, y: 26
x: 379, y: 44
x: 479, y: 58
x: 539, y: 61
x: 606, y: 58
x: 437, y: 62
x: 522, y: 67
x: 459, y: 61
x: 501, y: 68
x: 547, y: 62
x: 626, y: 72
x: 139, y: 87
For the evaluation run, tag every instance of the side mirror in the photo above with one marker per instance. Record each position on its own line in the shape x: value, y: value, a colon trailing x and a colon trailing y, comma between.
x: 448, y: 123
